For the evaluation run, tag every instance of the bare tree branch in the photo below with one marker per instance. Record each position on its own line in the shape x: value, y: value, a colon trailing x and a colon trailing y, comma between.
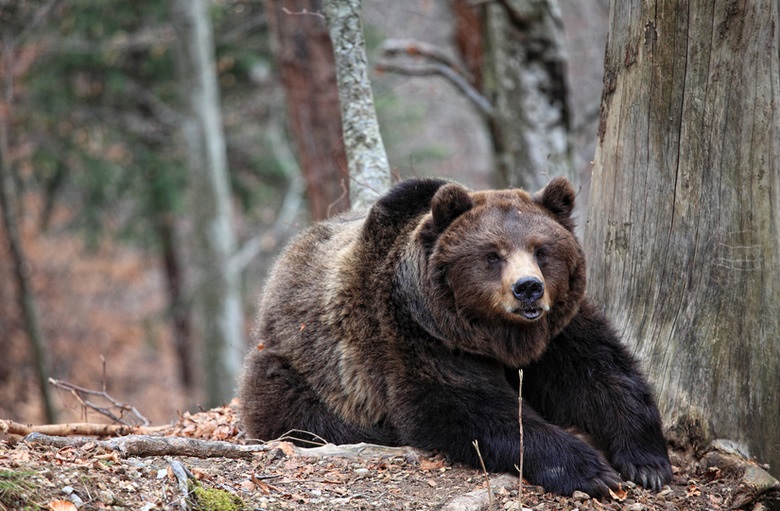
x: 147, y: 445
x: 77, y: 428
x: 459, y: 81
x: 414, y: 48
x: 426, y: 60
x: 116, y: 412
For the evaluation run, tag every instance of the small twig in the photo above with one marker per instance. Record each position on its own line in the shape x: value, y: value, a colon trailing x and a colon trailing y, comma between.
x: 475, y: 443
x: 344, y: 193
x: 79, y: 392
x: 304, y: 12
x: 103, y: 361
x: 520, y: 421
x: 290, y: 436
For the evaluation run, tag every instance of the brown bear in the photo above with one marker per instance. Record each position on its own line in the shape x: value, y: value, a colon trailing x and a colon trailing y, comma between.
x: 406, y: 326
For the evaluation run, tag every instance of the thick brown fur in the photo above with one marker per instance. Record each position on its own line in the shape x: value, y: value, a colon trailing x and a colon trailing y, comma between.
x: 406, y: 326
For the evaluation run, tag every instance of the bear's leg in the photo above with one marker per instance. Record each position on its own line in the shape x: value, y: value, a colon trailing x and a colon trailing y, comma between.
x: 275, y: 399
x: 477, y: 403
x: 587, y: 379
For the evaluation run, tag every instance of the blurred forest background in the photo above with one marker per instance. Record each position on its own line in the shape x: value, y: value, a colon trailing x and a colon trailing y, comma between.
x: 99, y: 190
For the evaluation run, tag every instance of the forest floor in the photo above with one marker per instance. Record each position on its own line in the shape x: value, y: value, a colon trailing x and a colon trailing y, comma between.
x: 68, y: 473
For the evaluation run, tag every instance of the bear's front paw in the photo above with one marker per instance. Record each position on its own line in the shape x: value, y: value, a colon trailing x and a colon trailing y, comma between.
x: 652, y: 471
x: 581, y: 468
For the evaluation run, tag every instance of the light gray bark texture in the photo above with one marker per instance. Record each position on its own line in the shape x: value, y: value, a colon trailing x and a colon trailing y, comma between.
x: 217, y: 299
x: 683, y: 234
x: 528, y: 83
x: 369, y: 170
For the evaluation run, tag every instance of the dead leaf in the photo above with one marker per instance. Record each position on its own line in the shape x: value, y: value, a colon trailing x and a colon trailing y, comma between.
x: 287, y: 448
x: 61, y: 505
x: 693, y: 491
x: 715, y: 501
x: 620, y: 494
x: 261, y: 485
x: 200, y: 474
x: 111, y: 456
x: 432, y: 464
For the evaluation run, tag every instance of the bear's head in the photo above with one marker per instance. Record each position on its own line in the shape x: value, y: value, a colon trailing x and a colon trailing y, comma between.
x: 503, y: 271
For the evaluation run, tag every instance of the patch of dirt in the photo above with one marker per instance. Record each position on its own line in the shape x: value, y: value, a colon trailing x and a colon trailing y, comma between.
x: 353, y: 477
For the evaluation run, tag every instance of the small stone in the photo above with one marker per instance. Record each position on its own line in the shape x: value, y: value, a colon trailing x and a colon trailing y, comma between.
x: 636, y: 507
x: 106, y: 497
x: 362, y: 471
x: 580, y: 496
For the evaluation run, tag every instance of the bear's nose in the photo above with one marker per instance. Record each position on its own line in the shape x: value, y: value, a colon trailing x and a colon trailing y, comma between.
x: 528, y: 289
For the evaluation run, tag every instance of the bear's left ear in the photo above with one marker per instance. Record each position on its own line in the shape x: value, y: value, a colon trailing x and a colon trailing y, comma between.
x: 450, y: 201
x: 558, y: 198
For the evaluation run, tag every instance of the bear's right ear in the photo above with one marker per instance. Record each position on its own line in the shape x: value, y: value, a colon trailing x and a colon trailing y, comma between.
x: 450, y: 201
x: 558, y: 198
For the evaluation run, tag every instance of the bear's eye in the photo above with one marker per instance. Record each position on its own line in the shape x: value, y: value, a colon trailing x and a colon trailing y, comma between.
x: 493, y: 258
x: 540, y: 254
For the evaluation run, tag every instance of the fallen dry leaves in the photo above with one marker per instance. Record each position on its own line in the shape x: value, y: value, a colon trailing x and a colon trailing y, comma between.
x: 285, y: 478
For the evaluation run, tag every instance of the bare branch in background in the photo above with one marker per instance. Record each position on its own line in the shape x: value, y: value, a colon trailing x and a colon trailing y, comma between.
x: 116, y: 411
x: 426, y: 60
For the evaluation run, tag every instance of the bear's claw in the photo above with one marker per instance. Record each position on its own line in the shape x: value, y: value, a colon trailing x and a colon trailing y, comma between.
x: 652, y: 476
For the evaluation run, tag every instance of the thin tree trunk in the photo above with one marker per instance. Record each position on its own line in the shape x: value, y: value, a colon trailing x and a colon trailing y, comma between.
x: 218, y: 298
x: 179, y: 310
x: 11, y: 224
x: 307, y: 69
x: 369, y: 170
x: 683, y: 233
x: 525, y: 78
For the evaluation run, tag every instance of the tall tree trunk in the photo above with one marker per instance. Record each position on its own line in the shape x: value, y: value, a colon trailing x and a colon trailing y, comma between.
x: 305, y: 57
x: 217, y: 299
x: 683, y: 233
x: 525, y: 79
x: 11, y: 225
x: 369, y: 170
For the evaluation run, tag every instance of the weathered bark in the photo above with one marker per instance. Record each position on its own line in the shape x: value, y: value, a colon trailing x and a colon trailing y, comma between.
x: 369, y: 170
x: 683, y: 233
x: 525, y: 77
x: 11, y: 227
x: 218, y: 298
x: 305, y: 57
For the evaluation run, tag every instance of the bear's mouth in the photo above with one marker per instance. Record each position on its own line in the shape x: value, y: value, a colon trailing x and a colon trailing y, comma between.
x: 530, y: 312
